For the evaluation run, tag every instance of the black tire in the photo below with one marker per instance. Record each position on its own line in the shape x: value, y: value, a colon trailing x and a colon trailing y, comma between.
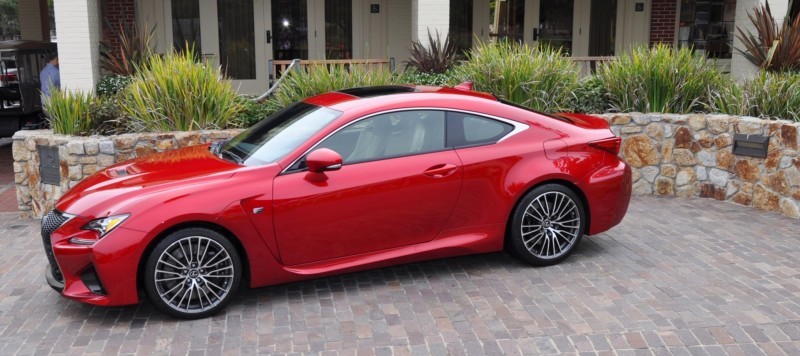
x: 192, y: 273
x: 546, y: 225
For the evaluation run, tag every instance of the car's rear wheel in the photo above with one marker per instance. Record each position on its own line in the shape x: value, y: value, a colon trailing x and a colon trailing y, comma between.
x: 547, y: 224
x: 192, y: 273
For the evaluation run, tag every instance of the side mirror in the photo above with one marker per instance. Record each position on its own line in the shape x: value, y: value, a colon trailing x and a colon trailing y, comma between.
x: 322, y: 160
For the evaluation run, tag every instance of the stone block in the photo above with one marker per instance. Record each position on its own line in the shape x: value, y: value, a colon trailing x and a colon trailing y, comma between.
x: 773, y: 159
x: 778, y: 183
x: 718, y: 177
x: 75, y: 147
x: 642, y: 187
x: 20, y: 152
x: 683, y: 138
x: 725, y: 159
x: 792, y: 176
x: 789, y: 136
x: 631, y: 129
x: 701, y: 173
x: 697, y: 122
x: 91, y: 147
x: 749, y: 125
x: 104, y: 160
x: 650, y: 173
x: 89, y: 169
x: 88, y: 160
x: 669, y: 170
x: 789, y: 208
x: 717, y: 124
x: 639, y: 151
x: 765, y: 199
x: 75, y: 173
x: 107, y: 147
x: 747, y: 170
x: 723, y: 140
x: 732, y: 188
x: 665, y: 186
x: 707, y: 158
x: 641, y: 119
x: 685, y: 176
x: 621, y: 119
x: 666, y: 151
x: 656, y: 131
x: 683, y: 157
x: 712, y: 191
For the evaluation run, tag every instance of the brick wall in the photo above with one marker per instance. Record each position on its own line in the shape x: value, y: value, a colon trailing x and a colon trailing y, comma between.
x: 662, y: 21
x: 114, y: 14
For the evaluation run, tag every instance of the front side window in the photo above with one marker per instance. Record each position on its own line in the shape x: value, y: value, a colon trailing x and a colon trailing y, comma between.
x: 389, y: 135
x: 279, y: 134
x: 471, y: 130
x: 707, y: 26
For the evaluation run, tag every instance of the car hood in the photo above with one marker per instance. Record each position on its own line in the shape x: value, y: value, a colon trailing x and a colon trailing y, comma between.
x: 110, y: 189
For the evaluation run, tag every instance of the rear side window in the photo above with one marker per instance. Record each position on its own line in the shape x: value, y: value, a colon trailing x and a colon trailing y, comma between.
x: 471, y: 130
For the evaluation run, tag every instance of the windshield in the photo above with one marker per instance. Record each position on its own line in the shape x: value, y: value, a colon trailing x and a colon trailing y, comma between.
x: 279, y: 134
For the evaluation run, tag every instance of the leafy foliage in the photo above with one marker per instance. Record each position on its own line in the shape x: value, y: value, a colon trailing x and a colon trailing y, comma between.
x: 9, y: 17
x: 540, y: 78
x: 411, y: 76
x: 69, y: 112
x: 659, y: 79
x: 109, y: 85
x: 251, y: 112
x: 134, y: 51
x: 438, y: 57
x: 771, y: 48
x: 177, y: 94
x: 590, y: 97
x: 317, y: 79
x: 770, y: 95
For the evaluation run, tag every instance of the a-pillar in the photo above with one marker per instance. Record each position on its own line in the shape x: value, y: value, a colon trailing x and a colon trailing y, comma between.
x: 429, y: 15
x: 34, y: 20
x: 78, y: 24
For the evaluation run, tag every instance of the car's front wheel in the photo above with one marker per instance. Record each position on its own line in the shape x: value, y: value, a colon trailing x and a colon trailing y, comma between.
x: 547, y: 224
x: 192, y: 273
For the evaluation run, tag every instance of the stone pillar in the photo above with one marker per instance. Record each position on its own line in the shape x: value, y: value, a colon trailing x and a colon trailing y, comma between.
x: 741, y: 68
x: 433, y: 15
x: 34, y: 20
x: 78, y: 23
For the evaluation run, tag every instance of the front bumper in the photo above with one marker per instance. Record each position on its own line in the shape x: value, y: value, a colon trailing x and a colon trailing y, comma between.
x: 101, y: 274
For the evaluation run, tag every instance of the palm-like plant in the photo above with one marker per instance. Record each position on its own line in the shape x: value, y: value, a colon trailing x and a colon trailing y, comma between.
x: 771, y: 47
x: 134, y: 50
x: 438, y: 57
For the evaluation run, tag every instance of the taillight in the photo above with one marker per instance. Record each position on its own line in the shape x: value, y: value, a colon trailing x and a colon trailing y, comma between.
x: 610, y: 144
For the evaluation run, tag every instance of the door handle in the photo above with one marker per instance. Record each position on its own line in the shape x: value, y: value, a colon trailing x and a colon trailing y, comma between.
x: 441, y: 170
x: 269, y: 36
x: 535, y: 34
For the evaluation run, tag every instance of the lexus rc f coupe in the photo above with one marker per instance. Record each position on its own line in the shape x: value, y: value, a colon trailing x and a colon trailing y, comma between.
x: 340, y: 182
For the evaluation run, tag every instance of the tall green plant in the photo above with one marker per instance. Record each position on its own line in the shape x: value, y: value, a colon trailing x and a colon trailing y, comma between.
x: 771, y: 47
x: 437, y: 57
x: 659, y: 79
x: 317, y: 79
x: 175, y: 93
x: 540, y: 78
x: 69, y: 112
x: 134, y: 50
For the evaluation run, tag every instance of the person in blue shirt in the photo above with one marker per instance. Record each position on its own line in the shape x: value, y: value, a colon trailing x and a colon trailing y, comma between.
x: 50, y: 76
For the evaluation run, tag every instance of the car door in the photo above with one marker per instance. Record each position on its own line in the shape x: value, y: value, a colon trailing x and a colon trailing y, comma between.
x: 397, y: 187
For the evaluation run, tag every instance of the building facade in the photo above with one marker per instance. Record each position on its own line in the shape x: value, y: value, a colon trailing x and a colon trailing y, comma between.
x: 242, y: 36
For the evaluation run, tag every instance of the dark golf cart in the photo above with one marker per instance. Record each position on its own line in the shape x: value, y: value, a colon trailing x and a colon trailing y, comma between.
x: 20, y: 97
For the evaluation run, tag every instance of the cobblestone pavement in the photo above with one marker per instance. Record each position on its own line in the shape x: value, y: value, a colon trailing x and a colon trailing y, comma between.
x: 678, y: 276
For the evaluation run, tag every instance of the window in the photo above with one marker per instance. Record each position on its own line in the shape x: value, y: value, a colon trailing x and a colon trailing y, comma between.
x: 471, y: 130
x: 707, y: 26
x: 390, y: 135
x: 461, y: 25
x: 186, y: 24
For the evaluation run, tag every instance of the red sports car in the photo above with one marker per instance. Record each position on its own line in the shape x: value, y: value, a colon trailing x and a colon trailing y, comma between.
x: 340, y: 182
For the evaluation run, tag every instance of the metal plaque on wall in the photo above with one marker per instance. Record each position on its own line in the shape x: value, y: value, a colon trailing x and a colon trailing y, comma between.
x: 49, y: 165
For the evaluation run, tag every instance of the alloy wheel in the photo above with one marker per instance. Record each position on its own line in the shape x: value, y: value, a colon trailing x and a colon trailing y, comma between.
x: 550, y: 225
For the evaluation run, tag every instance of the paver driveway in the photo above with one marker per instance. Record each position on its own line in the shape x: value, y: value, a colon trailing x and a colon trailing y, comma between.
x: 680, y: 276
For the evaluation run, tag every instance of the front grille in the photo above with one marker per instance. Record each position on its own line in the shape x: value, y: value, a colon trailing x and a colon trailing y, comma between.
x: 52, y: 221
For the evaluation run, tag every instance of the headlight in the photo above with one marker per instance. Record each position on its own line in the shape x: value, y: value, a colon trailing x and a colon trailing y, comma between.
x: 105, y: 225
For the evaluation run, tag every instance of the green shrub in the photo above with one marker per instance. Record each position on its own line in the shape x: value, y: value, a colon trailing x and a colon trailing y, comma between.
x: 590, y: 97
x: 770, y: 95
x: 411, y: 76
x: 317, y: 79
x: 540, y: 78
x: 111, y: 84
x: 69, y: 112
x: 251, y: 112
x: 175, y: 93
x: 436, y: 57
x: 106, y: 116
x: 659, y: 79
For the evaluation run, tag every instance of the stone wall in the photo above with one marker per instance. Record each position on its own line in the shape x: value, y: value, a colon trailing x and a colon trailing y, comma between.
x: 80, y: 157
x: 691, y: 156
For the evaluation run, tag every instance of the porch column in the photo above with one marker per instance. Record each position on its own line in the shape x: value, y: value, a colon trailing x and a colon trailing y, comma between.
x: 34, y: 20
x: 741, y: 68
x: 433, y: 15
x: 78, y: 24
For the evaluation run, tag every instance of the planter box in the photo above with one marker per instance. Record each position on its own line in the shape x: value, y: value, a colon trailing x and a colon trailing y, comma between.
x: 79, y: 157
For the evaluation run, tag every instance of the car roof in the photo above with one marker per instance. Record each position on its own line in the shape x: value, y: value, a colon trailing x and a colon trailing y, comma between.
x: 347, y: 98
